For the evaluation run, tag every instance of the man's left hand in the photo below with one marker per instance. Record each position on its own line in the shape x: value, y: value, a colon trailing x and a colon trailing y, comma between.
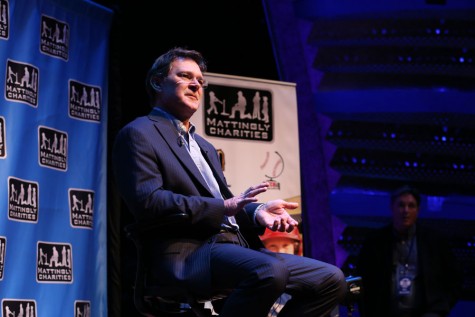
x: 274, y: 215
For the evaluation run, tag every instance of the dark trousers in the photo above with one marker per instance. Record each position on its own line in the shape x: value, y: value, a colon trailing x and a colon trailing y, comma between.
x: 258, y: 278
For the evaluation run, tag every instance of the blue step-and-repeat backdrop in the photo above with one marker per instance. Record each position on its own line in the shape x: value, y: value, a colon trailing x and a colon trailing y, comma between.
x: 53, y: 146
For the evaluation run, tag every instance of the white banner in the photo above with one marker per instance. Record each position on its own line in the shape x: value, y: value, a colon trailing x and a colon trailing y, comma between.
x: 253, y: 123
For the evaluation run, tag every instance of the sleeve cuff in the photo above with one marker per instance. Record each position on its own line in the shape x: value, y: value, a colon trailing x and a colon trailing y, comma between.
x: 255, y: 214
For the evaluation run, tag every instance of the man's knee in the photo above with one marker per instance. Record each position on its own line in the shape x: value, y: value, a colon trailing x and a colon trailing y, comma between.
x: 340, y: 284
x: 274, y: 274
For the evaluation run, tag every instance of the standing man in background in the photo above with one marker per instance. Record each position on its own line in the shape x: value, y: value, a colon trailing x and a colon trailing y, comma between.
x: 408, y: 269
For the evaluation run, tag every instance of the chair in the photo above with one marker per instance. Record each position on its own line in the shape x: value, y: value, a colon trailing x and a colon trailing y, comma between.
x: 354, y: 295
x: 152, y: 300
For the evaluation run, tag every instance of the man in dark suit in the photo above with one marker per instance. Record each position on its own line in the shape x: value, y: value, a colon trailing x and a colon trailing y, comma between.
x: 163, y: 167
x: 407, y: 269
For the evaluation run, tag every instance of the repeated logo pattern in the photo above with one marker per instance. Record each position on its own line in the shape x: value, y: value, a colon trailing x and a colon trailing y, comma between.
x: 22, y: 92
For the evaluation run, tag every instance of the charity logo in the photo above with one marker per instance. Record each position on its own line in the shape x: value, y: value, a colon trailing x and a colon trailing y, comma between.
x: 273, y: 167
x: 53, y: 148
x: 21, y: 83
x: 84, y: 101
x: 4, y: 19
x: 3, y: 139
x: 3, y: 249
x: 54, y: 38
x: 82, y: 308
x: 23, y: 200
x: 81, y: 208
x: 18, y: 307
x: 54, y: 263
x: 238, y: 113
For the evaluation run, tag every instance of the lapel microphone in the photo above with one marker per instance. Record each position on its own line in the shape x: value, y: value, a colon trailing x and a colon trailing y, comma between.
x: 181, y: 138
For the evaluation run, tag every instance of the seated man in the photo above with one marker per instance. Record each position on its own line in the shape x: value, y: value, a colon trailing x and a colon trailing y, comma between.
x: 162, y: 167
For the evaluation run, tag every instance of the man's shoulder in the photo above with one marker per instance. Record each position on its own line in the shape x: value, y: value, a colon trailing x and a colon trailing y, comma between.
x: 140, y: 123
x: 137, y: 128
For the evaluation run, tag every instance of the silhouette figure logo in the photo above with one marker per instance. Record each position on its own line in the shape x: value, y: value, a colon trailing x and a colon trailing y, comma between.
x: 21, y: 83
x: 22, y: 200
x: 81, y: 206
x: 82, y: 308
x: 54, y: 262
x: 238, y: 113
x: 52, y: 148
x: 18, y: 307
x: 54, y: 38
x: 4, y: 19
x: 3, y: 138
x: 84, y: 101
x: 3, y: 250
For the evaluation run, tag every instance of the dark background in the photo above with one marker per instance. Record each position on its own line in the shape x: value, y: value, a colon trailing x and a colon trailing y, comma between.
x: 232, y: 36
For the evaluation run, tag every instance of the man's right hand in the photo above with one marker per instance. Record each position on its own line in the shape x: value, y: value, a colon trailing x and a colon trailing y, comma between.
x: 233, y: 205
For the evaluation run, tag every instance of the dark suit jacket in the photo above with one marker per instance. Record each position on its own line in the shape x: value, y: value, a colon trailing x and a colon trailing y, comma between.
x: 156, y: 177
x: 438, y: 271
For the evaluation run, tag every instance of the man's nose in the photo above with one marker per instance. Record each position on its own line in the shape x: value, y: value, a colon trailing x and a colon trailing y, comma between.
x: 194, y: 86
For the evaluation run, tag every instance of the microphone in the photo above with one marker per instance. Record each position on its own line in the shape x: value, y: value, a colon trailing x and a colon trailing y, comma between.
x: 181, y: 137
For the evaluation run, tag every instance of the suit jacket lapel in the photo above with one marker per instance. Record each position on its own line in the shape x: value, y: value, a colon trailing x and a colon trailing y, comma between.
x: 210, y: 156
x: 169, y: 133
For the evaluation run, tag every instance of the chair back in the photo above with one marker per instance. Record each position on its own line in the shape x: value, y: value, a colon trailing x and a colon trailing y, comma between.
x: 160, y: 300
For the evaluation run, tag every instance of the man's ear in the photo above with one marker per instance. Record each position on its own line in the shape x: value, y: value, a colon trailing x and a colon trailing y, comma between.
x: 154, y: 82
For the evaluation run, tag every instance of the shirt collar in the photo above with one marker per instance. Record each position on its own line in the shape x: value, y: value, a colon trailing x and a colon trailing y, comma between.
x: 406, y: 236
x: 176, y: 123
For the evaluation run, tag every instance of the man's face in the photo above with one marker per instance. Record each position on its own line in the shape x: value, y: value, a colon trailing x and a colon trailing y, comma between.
x: 182, y: 89
x: 404, y: 212
x: 282, y: 245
